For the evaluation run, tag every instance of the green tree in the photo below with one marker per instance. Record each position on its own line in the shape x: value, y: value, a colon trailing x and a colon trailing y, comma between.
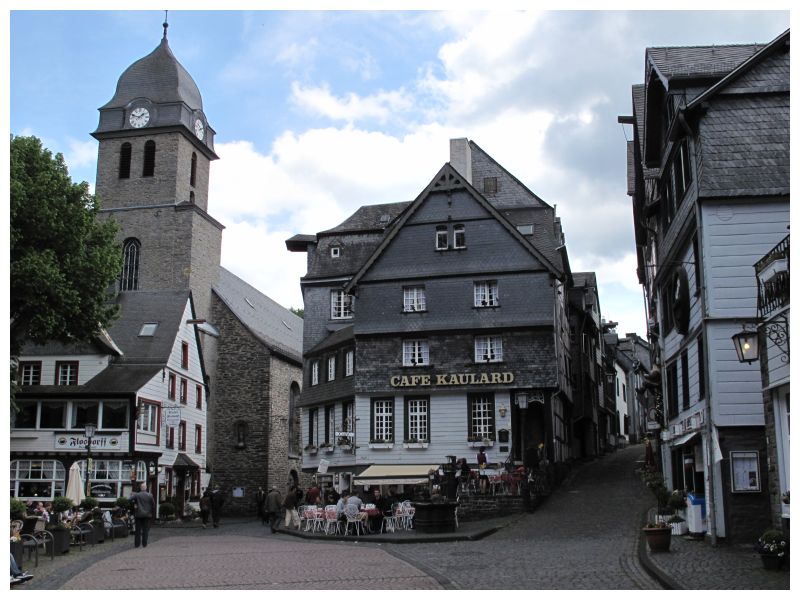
x: 298, y: 311
x: 63, y: 259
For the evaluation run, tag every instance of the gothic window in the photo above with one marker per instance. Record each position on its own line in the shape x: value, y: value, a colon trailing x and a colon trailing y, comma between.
x: 125, y: 161
x: 193, y: 172
x: 149, y: 159
x: 130, y: 265
x: 294, y: 424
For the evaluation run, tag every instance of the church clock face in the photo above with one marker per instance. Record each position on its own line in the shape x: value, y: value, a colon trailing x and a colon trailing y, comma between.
x: 139, y: 117
x: 199, y: 129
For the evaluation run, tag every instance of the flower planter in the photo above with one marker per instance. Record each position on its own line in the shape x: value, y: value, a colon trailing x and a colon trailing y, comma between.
x: 435, y: 517
x: 99, y: 532
x: 772, y: 562
x: 658, y: 538
x: 61, y: 540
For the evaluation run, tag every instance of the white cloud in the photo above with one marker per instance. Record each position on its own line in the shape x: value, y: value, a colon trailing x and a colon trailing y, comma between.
x: 80, y: 154
x: 319, y: 101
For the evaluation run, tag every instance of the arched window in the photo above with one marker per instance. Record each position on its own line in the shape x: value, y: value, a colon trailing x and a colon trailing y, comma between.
x: 193, y: 172
x: 294, y: 420
x: 130, y: 265
x: 125, y: 161
x: 149, y: 159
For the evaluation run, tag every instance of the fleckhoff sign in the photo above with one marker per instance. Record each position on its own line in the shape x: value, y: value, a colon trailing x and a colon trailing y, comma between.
x: 78, y: 442
x: 451, y: 379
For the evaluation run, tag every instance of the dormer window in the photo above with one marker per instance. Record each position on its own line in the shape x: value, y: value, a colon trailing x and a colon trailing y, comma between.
x: 148, y: 329
x: 490, y: 186
x: 441, y: 237
x: 336, y: 252
x: 525, y: 229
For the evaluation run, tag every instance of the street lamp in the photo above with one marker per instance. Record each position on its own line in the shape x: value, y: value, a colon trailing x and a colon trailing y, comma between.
x: 746, y: 344
x: 89, y: 430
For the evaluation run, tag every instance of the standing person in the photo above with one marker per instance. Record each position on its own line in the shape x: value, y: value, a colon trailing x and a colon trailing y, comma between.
x: 261, y: 497
x: 290, y: 504
x: 205, y: 507
x: 313, y: 495
x: 217, y: 500
x: 482, y: 460
x: 274, y: 508
x: 144, y: 511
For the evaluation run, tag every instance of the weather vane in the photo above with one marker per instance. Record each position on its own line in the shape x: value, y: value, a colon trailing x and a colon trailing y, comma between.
x: 166, y: 12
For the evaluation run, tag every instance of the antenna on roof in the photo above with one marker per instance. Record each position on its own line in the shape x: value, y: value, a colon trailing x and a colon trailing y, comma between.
x: 166, y: 12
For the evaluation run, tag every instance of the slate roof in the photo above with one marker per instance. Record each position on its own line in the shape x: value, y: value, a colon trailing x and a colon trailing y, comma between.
x: 158, y: 76
x: 275, y: 326
x: 339, y: 336
x: 585, y: 279
x: 544, y: 234
x: 673, y: 62
x: 114, y: 379
x: 373, y: 217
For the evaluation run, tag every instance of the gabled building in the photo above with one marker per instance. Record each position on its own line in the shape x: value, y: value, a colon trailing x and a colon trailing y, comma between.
x: 709, y: 178
x: 633, y: 358
x: 146, y: 371
x: 155, y: 150
x: 436, y: 327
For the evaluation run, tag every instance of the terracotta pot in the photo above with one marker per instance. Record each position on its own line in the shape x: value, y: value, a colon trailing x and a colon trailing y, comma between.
x: 658, y: 538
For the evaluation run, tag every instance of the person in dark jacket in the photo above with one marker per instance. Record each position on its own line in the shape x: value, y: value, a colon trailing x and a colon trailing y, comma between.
x: 144, y: 512
x: 217, y: 500
x: 273, y: 508
x: 205, y: 507
x: 290, y: 504
x: 261, y: 497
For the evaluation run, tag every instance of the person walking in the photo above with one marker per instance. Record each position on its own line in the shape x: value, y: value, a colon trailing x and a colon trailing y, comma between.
x: 261, y: 497
x: 144, y: 512
x: 290, y: 504
x: 205, y: 507
x: 273, y: 508
x: 217, y: 500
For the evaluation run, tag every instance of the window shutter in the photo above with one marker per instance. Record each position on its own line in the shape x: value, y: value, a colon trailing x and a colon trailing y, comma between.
x: 405, y: 418
x: 372, y: 419
x: 491, y: 417
x: 470, y: 400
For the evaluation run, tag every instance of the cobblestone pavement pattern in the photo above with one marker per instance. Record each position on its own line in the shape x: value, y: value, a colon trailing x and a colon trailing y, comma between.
x: 232, y: 561
x: 584, y: 536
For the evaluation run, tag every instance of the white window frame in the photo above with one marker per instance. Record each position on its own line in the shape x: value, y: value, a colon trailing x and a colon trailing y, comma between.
x: 349, y: 363
x: 27, y: 372
x: 383, y: 419
x: 416, y: 353
x: 336, y: 252
x: 414, y: 298
x: 441, y: 240
x: 481, y: 418
x: 148, y: 418
x: 418, y: 416
x: 331, y: 368
x: 330, y: 437
x: 22, y: 471
x: 488, y: 345
x: 459, y: 231
x: 341, y: 305
x: 486, y: 294
x: 67, y: 371
x: 314, y: 372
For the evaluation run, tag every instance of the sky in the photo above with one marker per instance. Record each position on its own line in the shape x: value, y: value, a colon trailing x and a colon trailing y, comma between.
x: 319, y: 112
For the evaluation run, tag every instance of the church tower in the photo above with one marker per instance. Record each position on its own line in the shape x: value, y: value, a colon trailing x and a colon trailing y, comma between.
x: 156, y: 147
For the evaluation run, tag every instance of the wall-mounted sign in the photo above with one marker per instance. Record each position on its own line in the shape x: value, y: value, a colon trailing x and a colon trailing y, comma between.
x: 238, y: 492
x: 69, y: 441
x: 451, y: 379
x: 745, y: 472
x: 172, y: 416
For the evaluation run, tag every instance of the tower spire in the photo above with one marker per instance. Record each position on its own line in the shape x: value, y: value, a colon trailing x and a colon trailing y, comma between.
x: 166, y: 12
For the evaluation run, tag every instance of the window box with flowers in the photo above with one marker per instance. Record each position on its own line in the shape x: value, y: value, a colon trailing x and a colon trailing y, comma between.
x: 310, y: 449
x: 476, y: 441
x: 326, y: 448
x: 345, y: 443
x: 379, y: 444
x: 415, y: 443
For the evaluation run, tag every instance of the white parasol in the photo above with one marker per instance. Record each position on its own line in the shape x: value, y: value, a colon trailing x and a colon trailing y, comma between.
x: 75, y: 485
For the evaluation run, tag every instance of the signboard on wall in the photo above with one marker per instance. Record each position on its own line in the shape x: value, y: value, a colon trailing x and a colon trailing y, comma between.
x: 172, y: 416
x: 71, y: 441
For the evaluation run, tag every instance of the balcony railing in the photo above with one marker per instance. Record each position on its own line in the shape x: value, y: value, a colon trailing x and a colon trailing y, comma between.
x: 772, y: 275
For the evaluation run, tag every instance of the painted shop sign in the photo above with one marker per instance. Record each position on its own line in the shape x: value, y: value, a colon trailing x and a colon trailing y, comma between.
x: 451, y: 379
x: 78, y: 442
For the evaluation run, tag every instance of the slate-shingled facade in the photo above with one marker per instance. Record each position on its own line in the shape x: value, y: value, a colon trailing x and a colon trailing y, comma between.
x: 709, y: 178
x: 425, y: 324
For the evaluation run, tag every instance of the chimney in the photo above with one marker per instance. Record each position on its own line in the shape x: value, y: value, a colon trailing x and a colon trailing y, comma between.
x: 461, y: 157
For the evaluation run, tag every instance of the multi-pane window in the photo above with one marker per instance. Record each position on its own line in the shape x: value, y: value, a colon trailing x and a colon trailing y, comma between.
x: 349, y: 358
x: 441, y: 237
x: 182, y: 435
x: 685, y: 379
x: 459, y: 237
x: 52, y: 415
x: 415, y: 353
x: 488, y: 348
x: 347, y: 417
x: 198, y: 439
x: 184, y: 390
x: 148, y: 417
x: 314, y: 372
x: 330, y: 424
x: 486, y: 293
x: 489, y: 186
x: 83, y: 413
x: 67, y: 373
x: 341, y: 305
x: 414, y: 299
x: 312, y: 427
x: 30, y: 373
x: 37, y: 479
x: 331, y: 368
x: 171, y: 387
x: 114, y: 414
x: 481, y: 416
x: 129, y: 280
x: 199, y: 396
x: 383, y: 419
x: 417, y: 420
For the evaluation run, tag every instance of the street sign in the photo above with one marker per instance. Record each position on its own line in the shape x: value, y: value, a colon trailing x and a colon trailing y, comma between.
x: 172, y: 416
x: 652, y: 425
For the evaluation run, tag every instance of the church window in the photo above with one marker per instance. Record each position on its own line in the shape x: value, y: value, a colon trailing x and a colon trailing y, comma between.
x: 193, y: 173
x: 149, y: 159
x: 125, y: 161
x: 130, y: 265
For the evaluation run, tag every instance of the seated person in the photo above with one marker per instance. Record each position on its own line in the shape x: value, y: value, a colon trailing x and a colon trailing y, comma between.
x: 340, y: 504
x: 384, y: 507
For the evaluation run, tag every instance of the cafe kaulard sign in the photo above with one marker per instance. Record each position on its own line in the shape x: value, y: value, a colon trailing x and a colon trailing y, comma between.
x: 451, y: 379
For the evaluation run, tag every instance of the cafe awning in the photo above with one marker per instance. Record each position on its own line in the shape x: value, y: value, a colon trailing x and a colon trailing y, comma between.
x: 685, y: 439
x: 394, y: 475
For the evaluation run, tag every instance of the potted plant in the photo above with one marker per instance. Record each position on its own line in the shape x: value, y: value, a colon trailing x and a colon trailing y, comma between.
x: 98, y: 525
x: 310, y: 449
x: 658, y: 535
x: 773, y: 546
x: 166, y: 511
x: 677, y: 501
x: 327, y: 448
x: 60, y: 531
x: 17, y: 508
